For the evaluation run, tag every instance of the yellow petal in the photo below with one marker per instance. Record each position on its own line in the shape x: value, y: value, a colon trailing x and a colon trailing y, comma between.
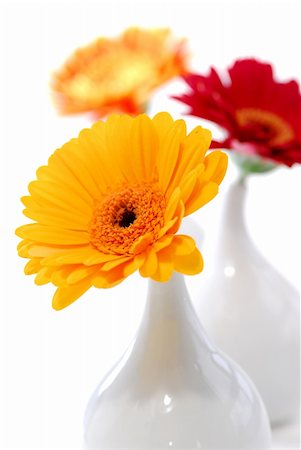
x: 163, y: 242
x: 78, y: 168
x: 80, y: 273
x: 43, y: 276
x: 189, y: 264
x: 59, y: 172
x: 163, y: 122
x: 165, y: 266
x: 179, y: 214
x: 164, y: 230
x: 183, y: 245
x: 144, y: 147
x: 73, y: 255
x: 33, y: 266
x: 106, y: 280
x: 108, y: 266
x: 60, y: 274
x: 198, y: 141
x: 168, y: 153
x: 172, y: 205
x: 50, y: 253
x: 93, y: 146
x: 23, y: 248
x: 200, y: 195
x: 99, y: 258
x: 115, y: 153
x: 191, y: 154
x: 188, y: 183
x: 58, y: 218
x: 150, y: 264
x: 49, y: 193
x: 64, y: 296
x: 132, y: 265
x: 216, y: 166
x: 141, y: 243
x: 100, y: 280
x: 51, y: 235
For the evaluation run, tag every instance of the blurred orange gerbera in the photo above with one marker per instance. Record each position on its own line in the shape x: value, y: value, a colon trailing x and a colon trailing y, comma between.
x: 111, y: 202
x: 118, y: 75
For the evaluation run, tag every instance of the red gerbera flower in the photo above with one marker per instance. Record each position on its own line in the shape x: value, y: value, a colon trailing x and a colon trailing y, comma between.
x: 261, y: 116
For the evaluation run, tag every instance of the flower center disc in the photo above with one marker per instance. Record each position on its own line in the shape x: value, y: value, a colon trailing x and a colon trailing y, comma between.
x: 126, y: 214
x: 264, y: 125
x: 128, y: 217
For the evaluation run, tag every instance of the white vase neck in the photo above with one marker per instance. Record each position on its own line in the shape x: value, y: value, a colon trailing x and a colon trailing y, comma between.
x: 234, y: 207
x: 167, y: 300
x: 233, y: 227
x: 169, y: 322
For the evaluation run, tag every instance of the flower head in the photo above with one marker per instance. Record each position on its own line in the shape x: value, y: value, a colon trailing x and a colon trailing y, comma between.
x: 260, y: 115
x: 111, y: 202
x: 118, y: 75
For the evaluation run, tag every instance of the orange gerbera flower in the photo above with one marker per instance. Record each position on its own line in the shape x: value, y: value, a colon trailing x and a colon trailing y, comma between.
x: 118, y: 75
x: 111, y: 202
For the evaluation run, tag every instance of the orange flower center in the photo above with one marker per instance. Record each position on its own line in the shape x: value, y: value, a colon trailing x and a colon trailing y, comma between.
x: 126, y: 214
x: 265, y: 125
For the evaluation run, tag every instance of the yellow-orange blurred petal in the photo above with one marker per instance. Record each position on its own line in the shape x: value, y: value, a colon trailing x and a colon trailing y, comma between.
x: 118, y: 74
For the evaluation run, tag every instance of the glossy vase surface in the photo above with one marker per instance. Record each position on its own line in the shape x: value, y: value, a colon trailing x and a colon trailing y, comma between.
x: 173, y: 388
x: 252, y: 313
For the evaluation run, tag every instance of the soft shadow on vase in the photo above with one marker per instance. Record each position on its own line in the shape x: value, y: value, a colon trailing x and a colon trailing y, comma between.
x: 173, y: 388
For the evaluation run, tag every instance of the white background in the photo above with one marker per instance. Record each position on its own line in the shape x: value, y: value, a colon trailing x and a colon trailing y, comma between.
x: 51, y: 361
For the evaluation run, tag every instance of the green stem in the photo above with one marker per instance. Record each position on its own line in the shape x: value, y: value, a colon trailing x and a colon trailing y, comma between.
x: 251, y: 164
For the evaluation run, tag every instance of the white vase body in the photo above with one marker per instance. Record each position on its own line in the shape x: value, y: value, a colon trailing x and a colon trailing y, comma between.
x: 253, y: 313
x: 174, y: 389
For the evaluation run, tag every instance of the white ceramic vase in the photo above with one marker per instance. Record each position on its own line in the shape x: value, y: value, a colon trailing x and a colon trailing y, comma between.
x: 252, y: 313
x: 174, y: 389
